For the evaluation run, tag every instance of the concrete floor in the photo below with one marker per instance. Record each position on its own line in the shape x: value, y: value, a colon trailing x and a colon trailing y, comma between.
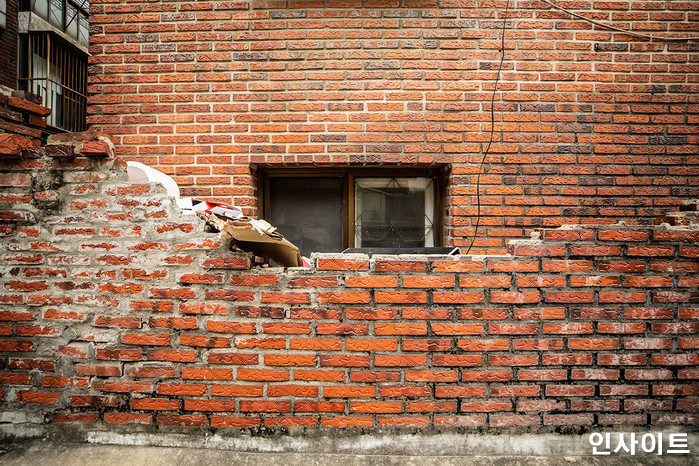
x: 60, y: 454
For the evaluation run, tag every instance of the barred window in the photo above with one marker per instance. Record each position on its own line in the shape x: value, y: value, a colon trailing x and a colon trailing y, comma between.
x: 329, y: 210
x: 55, y: 70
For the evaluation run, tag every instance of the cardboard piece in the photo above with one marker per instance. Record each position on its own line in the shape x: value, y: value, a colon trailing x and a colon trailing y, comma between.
x: 258, y: 237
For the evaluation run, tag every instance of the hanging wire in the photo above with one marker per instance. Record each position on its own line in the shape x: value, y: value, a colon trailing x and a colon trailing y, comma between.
x: 497, y: 80
x: 492, y: 127
x: 625, y: 31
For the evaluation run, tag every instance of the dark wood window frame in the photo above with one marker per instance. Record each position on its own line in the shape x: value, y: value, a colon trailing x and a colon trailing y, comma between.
x: 348, y: 174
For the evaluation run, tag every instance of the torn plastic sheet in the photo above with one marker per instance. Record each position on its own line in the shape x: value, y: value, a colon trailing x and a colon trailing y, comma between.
x: 258, y: 237
x: 217, y: 208
x: 140, y: 173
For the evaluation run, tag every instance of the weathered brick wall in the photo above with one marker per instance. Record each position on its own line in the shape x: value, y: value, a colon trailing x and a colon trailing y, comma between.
x: 591, y: 126
x: 117, y: 309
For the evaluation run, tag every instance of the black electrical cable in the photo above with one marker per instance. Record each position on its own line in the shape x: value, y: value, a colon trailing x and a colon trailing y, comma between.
x: 492, y: 127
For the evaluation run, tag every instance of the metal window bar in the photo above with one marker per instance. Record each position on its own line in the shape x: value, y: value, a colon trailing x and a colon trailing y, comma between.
x: 59, y: 75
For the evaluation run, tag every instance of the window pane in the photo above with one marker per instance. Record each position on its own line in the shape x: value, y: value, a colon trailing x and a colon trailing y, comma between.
x: 3, y: 13
x: 394, y: 212
x: 308, y: 212
x: 72, y: 22
x: 56, y: 16
x: 84, y: 37
x: 41, y: 8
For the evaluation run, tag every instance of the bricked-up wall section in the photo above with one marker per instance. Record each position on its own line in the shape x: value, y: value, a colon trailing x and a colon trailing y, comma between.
x: 591, y: 127
x: 117, y: 309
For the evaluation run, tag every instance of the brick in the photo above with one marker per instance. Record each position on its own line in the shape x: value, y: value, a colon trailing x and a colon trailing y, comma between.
x: 345, y: 361
x: 234, y: 421
x: 149, y: 339
x: 195, y: 373
x: 78, y: 417
x: 624, y: 236
x: 372, y: 282
x: 192, y: 420
x: 431, y: 376
x: 374, y: 407
x: 461, y: 360
x: 408, y: 360
x: 343, y: 264
x: 569, y: 297
x: 319, y: 344
x: 302, y: 391
x: 457, y: 297
x: 231, y: 327
x: 342, y: 329
x: 509, y: 420
x: 570, y: 390
x: 484, y: 345
x: 269, y: 375
x: 128, y: 418
x: 176, y: 389
x: 486, y: 375
x: 209, y: 405
x: 347, y: 421
x: 460, y: 421
x: 290, y: 359
x: 319, y: 406
x: 542, y: 374
x: 155, y: 404
x: 400, y: 329
x: 402, y: 297
x: 151, y: 371
x: 233, y: 358
x: 456, y: 329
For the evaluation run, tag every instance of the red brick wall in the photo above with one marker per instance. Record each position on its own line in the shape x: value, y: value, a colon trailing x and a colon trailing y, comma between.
x: 116, y: 309
x: 592, y: 126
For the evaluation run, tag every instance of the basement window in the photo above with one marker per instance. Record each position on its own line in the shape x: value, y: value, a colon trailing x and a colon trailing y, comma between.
x: 330, y: 210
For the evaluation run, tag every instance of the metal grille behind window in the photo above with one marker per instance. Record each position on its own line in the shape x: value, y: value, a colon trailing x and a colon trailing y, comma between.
x: 58, y: 73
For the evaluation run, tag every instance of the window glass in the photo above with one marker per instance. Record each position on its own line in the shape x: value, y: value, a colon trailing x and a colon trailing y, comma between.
x: 394, y: 212
x: 72, y: 22
x: 3, y: 13
x: 83, y: 36
x: 308, y: 212
x: 41, y: 8
x: 56, y: 14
